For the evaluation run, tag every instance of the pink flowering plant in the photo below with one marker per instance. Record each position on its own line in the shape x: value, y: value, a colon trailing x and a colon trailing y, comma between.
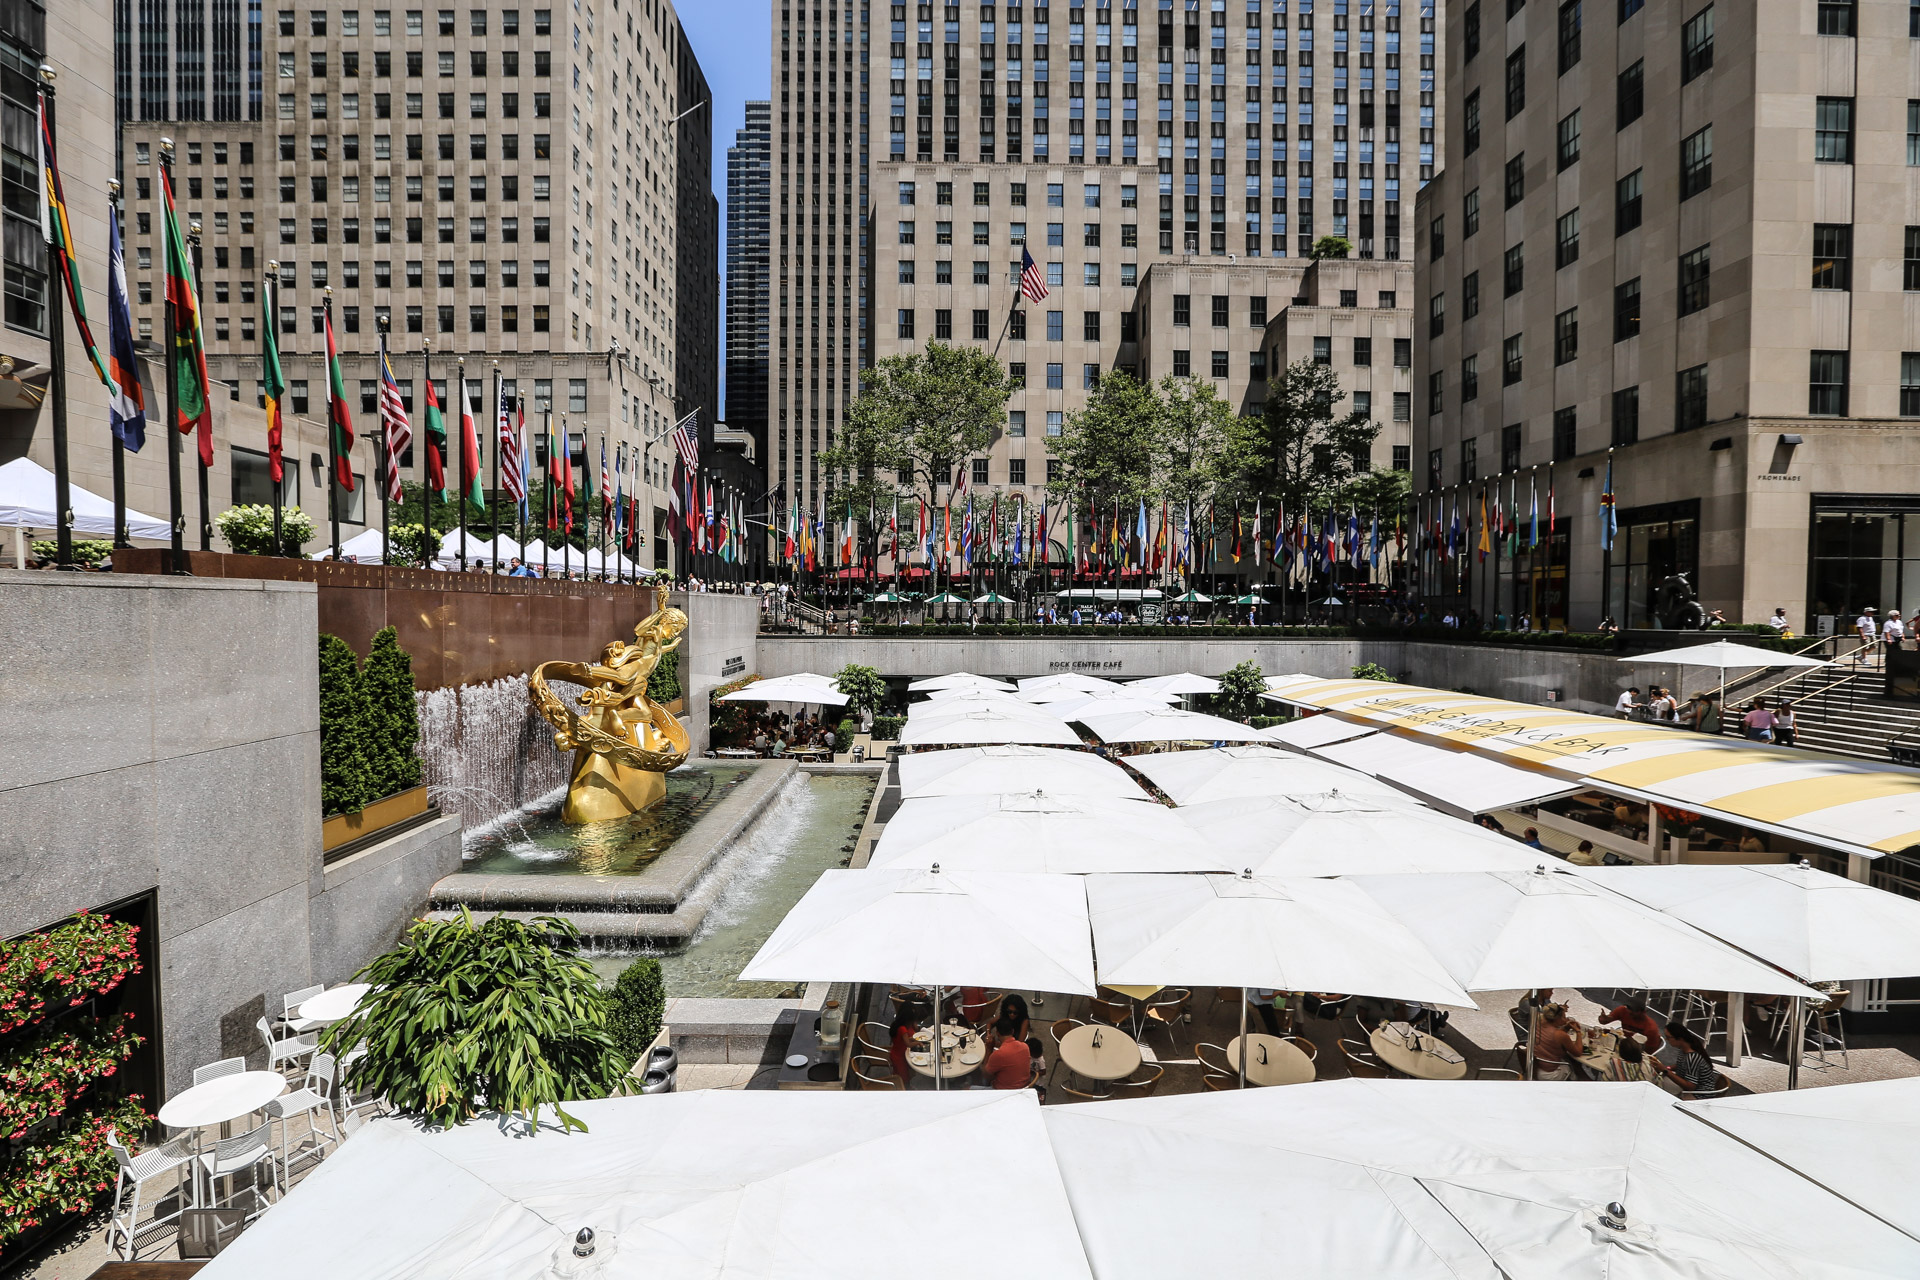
x: 48, y: 1070
x: 70, y: 1172
x: 43, y: 973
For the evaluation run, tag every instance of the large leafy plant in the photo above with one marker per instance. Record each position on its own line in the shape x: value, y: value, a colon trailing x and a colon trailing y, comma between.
x: 1240, y: 690
x: 386, y: 682
x: 463, y: 1018
x: 865, y: 688
x: 248, y: 529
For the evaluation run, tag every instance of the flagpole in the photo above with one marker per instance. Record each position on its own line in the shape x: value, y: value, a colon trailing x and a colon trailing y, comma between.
x: 466, y: 411
x: 520, y: 407
x: 566, y: 530
x: 206, y: 509
x: 169, y: 341
x: 493, y: 499
x: 121, y: 536
x: 388, y: 465
x: 270, y: 322
x: 603, y: 507
x: 57, y: 345
x: 429, y: 546
x: 333, y: 454
x: 546, y: 543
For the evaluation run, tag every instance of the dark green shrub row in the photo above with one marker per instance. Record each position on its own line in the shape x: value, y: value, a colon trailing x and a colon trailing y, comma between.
x: 369, y: 725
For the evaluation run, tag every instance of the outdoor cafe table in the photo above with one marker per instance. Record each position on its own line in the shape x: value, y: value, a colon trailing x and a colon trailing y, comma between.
x: 1413, y: 1057
x: 737, y: 753
x: 1271, y: 1060
x: 332, y: 1006
x: 218, y: 1101
x: 810, y: 753
x: 1601, y: 1051
x: 1099, y: 1052
x: 965, y: 1051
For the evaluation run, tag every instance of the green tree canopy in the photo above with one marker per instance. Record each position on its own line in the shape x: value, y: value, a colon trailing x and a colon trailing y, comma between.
x: 1240, y: 690
x: 1302, y: 449
x: 1107, y: 450
x: 865, y: 688
x: 917, y: 416
x: 1196, y: 430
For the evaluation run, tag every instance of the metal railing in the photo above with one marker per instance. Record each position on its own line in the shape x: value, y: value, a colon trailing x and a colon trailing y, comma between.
x: 1824, y: 675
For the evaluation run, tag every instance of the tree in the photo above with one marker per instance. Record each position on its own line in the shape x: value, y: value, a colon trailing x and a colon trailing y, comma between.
x: 1106, y: 450
x: 1302, y: 450
x: 1240, y: 690
x: 463, y: 1018
x: 917, y: 416
x: 1196, y: 428
x: 1331, y: 247
x: 393, y: 721
x: 865, y: 688
x: 344, y: 783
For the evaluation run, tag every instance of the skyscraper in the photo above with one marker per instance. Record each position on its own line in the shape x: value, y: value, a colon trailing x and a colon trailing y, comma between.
x: 749, y: 184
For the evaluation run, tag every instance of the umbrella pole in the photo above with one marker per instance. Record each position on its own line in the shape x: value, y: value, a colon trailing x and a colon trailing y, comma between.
x: 1736, y: 1026
x: 1796, y: 1035
x: 1243, y: 1037
x: 939, y: 1079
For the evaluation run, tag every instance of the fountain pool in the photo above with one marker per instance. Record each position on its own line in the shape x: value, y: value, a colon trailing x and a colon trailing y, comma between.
x: 809, y: 827
x: 535, y: 841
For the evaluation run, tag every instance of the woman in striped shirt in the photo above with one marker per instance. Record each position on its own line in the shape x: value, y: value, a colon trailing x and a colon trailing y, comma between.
x: 1693, y: 1071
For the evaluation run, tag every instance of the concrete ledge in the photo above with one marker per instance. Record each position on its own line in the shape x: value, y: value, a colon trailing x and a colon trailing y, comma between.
x: 731, y: 1031
x: 361, y: 904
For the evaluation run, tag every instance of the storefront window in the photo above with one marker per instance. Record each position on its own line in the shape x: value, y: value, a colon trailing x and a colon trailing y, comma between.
x: 1866, y: 551
x: 1652, y: 544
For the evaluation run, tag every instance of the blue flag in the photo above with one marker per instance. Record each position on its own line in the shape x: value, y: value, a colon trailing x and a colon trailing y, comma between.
x: 126, y: 400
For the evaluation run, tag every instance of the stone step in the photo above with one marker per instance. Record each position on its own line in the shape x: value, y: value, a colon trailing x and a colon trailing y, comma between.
x: 629, y: 929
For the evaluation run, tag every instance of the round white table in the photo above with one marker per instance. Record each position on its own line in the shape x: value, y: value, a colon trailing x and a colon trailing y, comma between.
x: 1098, y: 1052
x: 1271, y: 1060
x: 332, y: 1006
x: 1409, y: 1054
x: 964, y: 1053
x: 218, y: 1101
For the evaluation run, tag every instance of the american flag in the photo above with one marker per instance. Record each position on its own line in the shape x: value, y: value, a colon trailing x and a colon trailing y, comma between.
x: 510, y: 450
x: 1033, y: 282
x: 394, y: 425
x: 685, y: 444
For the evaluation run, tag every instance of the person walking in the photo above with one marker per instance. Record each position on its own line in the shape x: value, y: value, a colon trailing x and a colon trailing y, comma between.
x: 1866, y: 627
x: 1784, y: 728
x: 1758, y: 722
x: 1893, y: 630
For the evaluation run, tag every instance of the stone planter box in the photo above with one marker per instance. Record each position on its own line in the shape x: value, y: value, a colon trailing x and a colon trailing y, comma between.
x: 348, y: 828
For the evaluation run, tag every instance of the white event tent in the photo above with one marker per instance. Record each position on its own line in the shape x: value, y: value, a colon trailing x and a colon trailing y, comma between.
x: 26, y: 503
x: 994, y: 769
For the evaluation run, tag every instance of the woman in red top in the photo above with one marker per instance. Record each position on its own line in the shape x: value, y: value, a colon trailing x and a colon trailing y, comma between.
x: 906, y: 1020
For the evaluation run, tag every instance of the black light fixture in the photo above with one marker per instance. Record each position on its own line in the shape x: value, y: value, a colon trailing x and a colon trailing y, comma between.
x: 1586, y: 473
x: 1790, y: 439
x: 1724, y: 442
x: 319, y: 465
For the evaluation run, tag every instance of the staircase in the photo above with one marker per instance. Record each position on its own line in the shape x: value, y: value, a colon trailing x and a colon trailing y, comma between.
x: 1842, y: 709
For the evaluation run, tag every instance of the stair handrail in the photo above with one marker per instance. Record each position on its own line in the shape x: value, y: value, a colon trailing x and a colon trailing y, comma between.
x: 1809, y: 672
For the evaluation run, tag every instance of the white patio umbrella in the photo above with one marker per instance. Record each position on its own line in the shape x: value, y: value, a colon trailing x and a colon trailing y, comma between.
x: 980, y: 724
x: 1860, y: 1141
x: 1183, y: 683
x: 1817, y: 926
x: 938, y: 698
x: 1077, y: 706
x: 1507, y: 930
x: 935, y: 929
x: 1723, y: 654
x: 26, y: 503
x: 1165, y: 724
x: 1309, y: 732
x: 1231, y: 773
x: 1065, y: 680
x: 988, y: 770
x: 1047, y: 695
x: 796, y: 688
x: 1293, y: 934
x: 708, y: 1185
x: 1042, y: 831
x: 958, y: 680
x: 1349, y: 836
x: 1454, y: 1180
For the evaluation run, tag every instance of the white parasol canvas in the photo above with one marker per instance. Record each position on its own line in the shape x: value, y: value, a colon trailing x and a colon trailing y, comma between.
x: 802, y: 688
x: 1183, y: 683
x: 990, y: 770
x: 1350, y: 835
x: 958, y: 680
x: 980, y: 724
x: 1231, y: 773
x: 1042, y: 831
x: 1165, y: 724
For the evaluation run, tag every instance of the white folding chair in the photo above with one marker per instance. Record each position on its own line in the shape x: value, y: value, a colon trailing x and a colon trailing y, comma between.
x: 291, y: 1002
x: 135, y: 1172
x: 243, y: 1152
x: 215, y: 1070
x: 289, y: 1049
x: 313, y: 1097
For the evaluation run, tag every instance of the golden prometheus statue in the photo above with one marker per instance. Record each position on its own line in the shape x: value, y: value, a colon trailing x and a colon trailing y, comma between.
x: 622, y: 742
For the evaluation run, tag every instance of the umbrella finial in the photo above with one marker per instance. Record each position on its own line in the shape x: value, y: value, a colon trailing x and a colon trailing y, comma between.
x: 1615, y: 1218
x: 935, y: 868
x: 1805, y: 865
x: 583, y: 1243
x: 1540, y: 870
x: 1246, y: 873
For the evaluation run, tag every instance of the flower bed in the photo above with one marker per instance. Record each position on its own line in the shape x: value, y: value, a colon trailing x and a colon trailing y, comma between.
x: 42, y: 973
x: 69, y: 1171
x: 49, y: 1070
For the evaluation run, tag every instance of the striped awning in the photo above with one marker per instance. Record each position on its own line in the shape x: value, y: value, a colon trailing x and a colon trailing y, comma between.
x: 1854, y: 805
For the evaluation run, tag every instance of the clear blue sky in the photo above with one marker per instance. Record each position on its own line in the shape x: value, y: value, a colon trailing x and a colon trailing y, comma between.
x: 733, y: 40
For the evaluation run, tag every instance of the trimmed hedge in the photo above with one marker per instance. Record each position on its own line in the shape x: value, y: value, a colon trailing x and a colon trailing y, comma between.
x: 887, y: 728
x: 663, y: 685
x: 635, y: 1008
x: 369, y: 724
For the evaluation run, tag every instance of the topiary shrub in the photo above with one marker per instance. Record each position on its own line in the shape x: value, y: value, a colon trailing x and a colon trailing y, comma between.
x: 248, y: 529
x: 393, y: 720
x: 887, y: 728
x: 345, y: 786
x: 664, y: 684
x: 865, y: 688
x: 635, y: 1008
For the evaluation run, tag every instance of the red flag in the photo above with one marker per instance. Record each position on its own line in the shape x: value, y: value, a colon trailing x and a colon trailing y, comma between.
x: 566, y: 476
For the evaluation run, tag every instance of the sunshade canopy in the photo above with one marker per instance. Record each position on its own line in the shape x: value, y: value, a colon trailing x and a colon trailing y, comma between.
x: 1505, y: 930
x: 1193, y: 597
x: 1078, y: 706
x: 1228, y: 773
x: 1184, y: 682
x: 947, y: 597
x: 500, y: 547
x: 1815, y: 925
x: 363, y: 548
x: 988, y: 770
x: 1165, y: 724
x: 1044, y: 695
x: 924, y: 928
x: 1293, y: 934
x: 1454, y: 1180
x: 1065, y: 680
x: 958, y: 680
x: 1725, y: 655
x: 976, y: 724
x: 992, y: 597
x: 1346, y: 836
x: 1860, y: 1141
x: 1042, y: 831
x: 26, y: 501
x: 1456, y: 780
x: 711, y: 1185
x: 796, y: 688
x: 1316, y: 731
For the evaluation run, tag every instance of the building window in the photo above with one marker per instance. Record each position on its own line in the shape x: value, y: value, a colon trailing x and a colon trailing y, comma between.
x: 1696, y: 163
x: 1827, y: 383
x: 1626, y: 416
x: 1696, y: 45
x: 1435, y: 381
x: 1626, y: 203
x: 1470, y: 213
x: 1510, y: 363
x: 1056, y: 423
x: 1056, y: 326
x: 1566, y: 239
x: 1913, y: 124
x: 1402, y: 453
x: 906, y: 324
x: 1403, y: 353
x: 980, y: 471
x: 1470, y: 295
x: 1183, y: 364
x: 1470, y: 123
x: 1833, y: 130
x: 1516, y: 180
x: 1056, y: 377
x: 1566, y: 336
x: 1569, y: 36
x: 1626, y: 310
x: 1567, y: 141
x: 1363, y: 353
x: 1832, y: 255
x: 1433, y: 468
x: 1219, y: 362
x: 1836, y: 17
x: 1016, y: 470
x: 1469, y: 460
x: 1690, y: 398
x: 1470, y: 34
x: 1510, y: 447
x: 1469, y: 379
x: 1436, y: 315
x: 1323, y: 350
x: 1630, y: 94
x: 1910, y: 384
x: 1910, y: 277
x: 982, y: 325
x: 1695, y: 269
x: 1516, y: 82
x: 1437, y: 238
x: 942, y: 324
x: 1182, y: 309
x: 1565, y: 436
x: 1514, y: 272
